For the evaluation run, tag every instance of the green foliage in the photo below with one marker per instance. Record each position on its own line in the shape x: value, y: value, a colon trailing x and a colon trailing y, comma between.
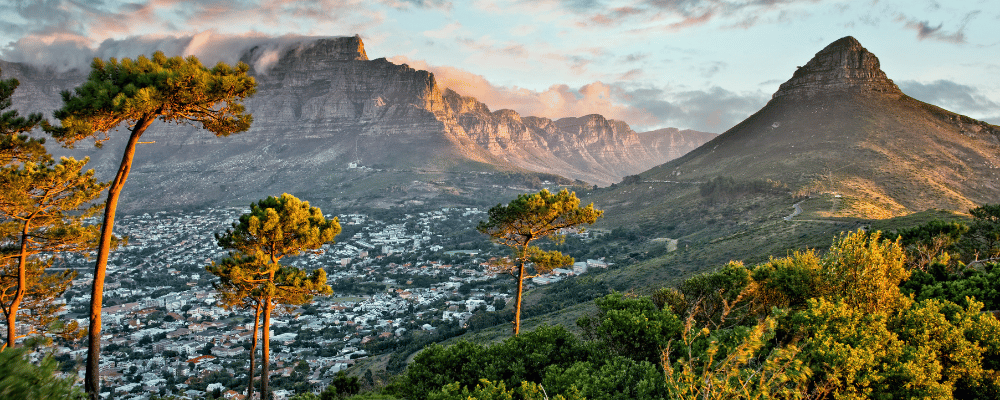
x: 535, y: 216
x: 136, y: 93
x: 528, y: 218
x: 935, y: 242
x: 717, y: 298
x: 21, y: 379
x: 519, y: 358
x: 833, y: 325
x: 252, y: 278
x: 789, y: 282
x: 174, y: 89
x: 938, y: 282
x: 341, y: 387
x: 736, y: 371
x: 487, y: 390
x: 15, y: 144
x: 954, y: 244
x: 720, y: 188
x: 616, y: 378
x: 985, y: 231
x: 926, y: 349
x: 42, y: 208
x: 866, y: 271
x: 860, y: 268
x: 274, y: 228
x: 632, y: 327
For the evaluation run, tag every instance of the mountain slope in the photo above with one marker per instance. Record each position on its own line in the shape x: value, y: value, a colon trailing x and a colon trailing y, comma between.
x: 840, y: 125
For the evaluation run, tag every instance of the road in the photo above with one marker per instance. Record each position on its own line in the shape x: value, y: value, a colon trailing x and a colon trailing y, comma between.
x: 798, y: 210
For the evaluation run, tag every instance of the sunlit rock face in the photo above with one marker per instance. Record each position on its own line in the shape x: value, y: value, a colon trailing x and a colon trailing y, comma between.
x: 844, y: 65
x: 322, y: 106
x: 591, y: 148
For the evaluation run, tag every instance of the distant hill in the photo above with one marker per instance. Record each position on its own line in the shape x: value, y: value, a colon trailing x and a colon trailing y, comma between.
x: 841, y: 126
x: 330, y: 124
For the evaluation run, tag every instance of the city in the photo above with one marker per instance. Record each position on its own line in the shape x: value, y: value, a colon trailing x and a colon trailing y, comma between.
x: 392, y: 279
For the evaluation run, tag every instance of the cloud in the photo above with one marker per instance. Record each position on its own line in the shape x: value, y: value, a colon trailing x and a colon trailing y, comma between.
x: 953, y: 96
x: 66, y: 51
x: 555, y: 102
x: 926, y: 30
x: 446, y: 31
x: 616, y: 16
x: 30, y: 22
x: 712, y: 110
x: 645, y: 16
x: 406, y: 4
x: 643, y: 108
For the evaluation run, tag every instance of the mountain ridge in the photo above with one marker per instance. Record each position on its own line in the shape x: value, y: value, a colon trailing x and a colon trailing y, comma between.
x: 322, y: 107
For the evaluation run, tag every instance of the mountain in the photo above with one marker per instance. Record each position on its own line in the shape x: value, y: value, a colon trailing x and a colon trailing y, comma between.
x: 841, y: 126
x: 329, y: 123
x: 591, y: 148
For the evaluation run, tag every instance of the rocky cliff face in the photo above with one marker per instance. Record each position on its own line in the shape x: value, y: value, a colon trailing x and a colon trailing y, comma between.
x: 322, y: 107
x: 844, y: 65
x: 591, y: 148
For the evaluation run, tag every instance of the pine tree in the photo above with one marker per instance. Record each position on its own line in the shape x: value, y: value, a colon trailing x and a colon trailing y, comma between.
x: 136, y: 93
x: 15, y: 144
x: 40, y: 213
x: 251, y: 277
x: 528, y: 218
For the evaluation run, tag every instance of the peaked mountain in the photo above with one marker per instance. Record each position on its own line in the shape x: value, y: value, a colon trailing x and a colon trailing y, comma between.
x: 841, y: 126
x: 330, y: 123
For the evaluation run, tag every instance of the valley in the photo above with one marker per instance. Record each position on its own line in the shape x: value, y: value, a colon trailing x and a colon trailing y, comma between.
x: 397, y: 278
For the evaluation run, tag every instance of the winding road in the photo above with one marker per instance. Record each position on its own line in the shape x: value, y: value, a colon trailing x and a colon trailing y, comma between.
x: 798, y: 210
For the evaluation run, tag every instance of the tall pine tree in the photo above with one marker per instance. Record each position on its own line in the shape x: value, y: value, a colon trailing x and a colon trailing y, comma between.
x: 136, y: 93
x: 252, y: 277
x: 528, y: 218
x: 40, y: 208
x: 40, y: 212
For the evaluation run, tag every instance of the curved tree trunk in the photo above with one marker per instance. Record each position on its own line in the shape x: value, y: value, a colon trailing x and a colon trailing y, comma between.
x: 517, y: 307
x: 265, y: 357
x: 22, y: 282
x: 253, y: 350
x: 92, y: 380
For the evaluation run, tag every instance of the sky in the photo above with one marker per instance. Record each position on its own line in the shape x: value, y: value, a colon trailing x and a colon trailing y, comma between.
x: 690, y: 64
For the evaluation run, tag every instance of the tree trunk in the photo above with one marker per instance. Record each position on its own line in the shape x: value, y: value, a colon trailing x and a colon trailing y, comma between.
x: 517, y: 307
x: 265, y: 357
x: 253, y: 350
x: 92, y: 380
x: 22, y: 282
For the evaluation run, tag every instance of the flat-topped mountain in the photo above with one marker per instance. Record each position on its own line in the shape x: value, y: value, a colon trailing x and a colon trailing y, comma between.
x: 323, y: 110
x: 840, y: 125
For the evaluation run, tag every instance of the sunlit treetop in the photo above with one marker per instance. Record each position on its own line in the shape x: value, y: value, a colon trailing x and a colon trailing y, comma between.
x: 136, y: 92
x: 15, y: 144
x: 537, y: 215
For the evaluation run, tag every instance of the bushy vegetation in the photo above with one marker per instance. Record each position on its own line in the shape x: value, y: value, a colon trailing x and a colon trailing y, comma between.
x: 22, y: 379
x: 722, y: 189
x: 837, y: 324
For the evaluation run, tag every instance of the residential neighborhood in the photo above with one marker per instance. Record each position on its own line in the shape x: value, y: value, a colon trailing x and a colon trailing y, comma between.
x: 164, y: 332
